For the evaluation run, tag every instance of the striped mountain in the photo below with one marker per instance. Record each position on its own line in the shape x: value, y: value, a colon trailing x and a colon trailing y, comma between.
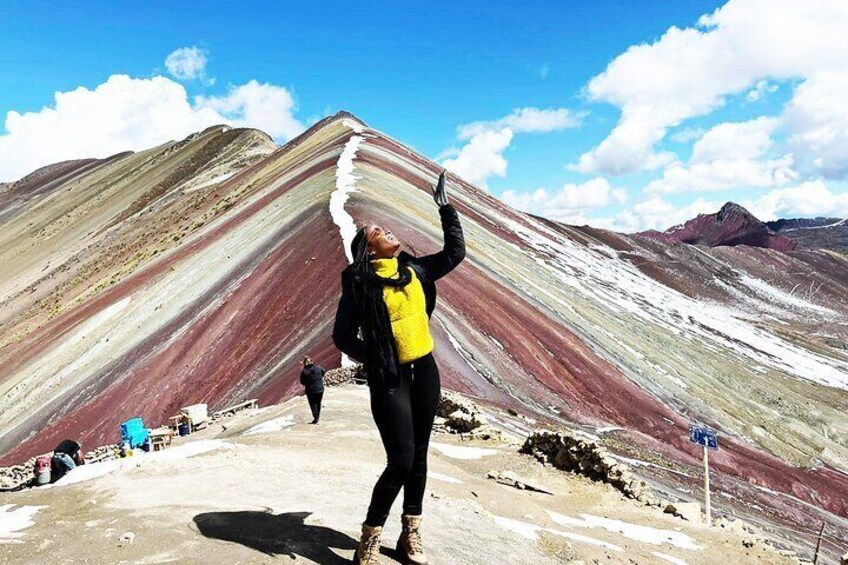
x: 204, y: 270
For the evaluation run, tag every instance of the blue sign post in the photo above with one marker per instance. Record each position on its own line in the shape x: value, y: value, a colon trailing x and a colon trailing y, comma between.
x: 703, y: 436
x: 708, y: 439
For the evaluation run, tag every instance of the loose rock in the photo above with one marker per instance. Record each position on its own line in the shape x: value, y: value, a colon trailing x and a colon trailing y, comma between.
x: 511, y: 479
x: 344, y: 375
x: 458, y: 415
x: 568, y: 452
x: 690, y: 511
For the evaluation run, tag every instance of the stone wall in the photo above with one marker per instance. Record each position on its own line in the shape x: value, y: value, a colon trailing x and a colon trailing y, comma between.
x: 344, y: 375
x: 16, y: 477
x: 568, y: 452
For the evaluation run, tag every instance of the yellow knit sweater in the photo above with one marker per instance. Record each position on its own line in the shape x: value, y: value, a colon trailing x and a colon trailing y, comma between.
x: 407, y: 312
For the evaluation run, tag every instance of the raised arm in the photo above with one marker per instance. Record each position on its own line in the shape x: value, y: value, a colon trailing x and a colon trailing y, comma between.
x: 439, y: 264
x: 346, y: 327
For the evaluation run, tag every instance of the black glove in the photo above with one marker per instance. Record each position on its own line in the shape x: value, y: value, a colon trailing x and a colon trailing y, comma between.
x: 439, y: 191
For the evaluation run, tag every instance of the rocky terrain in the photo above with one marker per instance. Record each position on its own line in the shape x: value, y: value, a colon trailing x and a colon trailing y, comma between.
x: 265, y: 486
x: 816, y: 233
x: 732, y: 225
x: 203, y: 270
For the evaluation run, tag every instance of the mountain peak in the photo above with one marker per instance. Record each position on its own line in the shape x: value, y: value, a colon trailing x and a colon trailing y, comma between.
x: 732, y: 225
x: 733, y: 210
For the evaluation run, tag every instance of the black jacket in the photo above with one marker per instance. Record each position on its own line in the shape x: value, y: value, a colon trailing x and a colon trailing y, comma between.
x: 312, y: 378
x: 428, y: 269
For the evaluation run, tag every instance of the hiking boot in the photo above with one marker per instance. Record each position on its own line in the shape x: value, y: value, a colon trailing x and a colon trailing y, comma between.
x: 368, y: 552
x: 409, y: 543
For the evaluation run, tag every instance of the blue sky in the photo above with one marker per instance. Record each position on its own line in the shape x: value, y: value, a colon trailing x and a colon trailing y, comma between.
x: 707, y: 112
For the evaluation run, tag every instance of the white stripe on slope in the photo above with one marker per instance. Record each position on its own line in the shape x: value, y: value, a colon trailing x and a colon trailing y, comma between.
x: 345, y: 184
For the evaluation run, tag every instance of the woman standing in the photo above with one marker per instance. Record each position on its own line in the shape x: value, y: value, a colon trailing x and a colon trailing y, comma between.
x: 389, y: 295
x: 312, y: 379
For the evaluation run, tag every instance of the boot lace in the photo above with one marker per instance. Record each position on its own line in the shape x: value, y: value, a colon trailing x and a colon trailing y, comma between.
x: 371, y: 549
x: 413, y: 540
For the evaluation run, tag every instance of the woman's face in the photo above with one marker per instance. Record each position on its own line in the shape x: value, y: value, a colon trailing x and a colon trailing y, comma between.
x: 381, y: 242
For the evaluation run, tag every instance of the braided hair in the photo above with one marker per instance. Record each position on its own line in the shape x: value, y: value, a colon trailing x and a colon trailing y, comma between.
x: 374, y: 317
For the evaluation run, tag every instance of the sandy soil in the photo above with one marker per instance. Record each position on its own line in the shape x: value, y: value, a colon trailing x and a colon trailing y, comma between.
x: 292, y: 492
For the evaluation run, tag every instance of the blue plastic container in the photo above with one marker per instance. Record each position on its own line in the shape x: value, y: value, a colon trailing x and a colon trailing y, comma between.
x: 134, y: 433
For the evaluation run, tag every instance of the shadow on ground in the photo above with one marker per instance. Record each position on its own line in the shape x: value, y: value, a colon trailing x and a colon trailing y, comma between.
x: 278, y: 534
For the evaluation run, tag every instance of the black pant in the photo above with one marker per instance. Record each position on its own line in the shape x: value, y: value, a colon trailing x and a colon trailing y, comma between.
x: 314, y: 399
x: 404, y: 417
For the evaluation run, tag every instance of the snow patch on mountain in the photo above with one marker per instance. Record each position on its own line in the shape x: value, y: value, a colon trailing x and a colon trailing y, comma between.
x: 635, y: 532
x: 621, y: 287
x: 529, y: 531
x: 345, y: 185
x: 14, y: 520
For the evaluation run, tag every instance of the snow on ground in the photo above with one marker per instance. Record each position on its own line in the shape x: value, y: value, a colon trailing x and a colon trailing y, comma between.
x: 635, y: 532
x: 584, y: 539
x: 345, y: 184
x: 443, y: 478
x: 94, y: 470
x: 14, y: 520
x: 669, y: 558
x: 521, y: 528
x: 641, y: 463
x: 466, y: 356
x: 529, y: 531
x: 764, y: 296
x: 608, y: 429
x: 275, y: 425
x: 621, y: 287
x: 461, y: 452
x: 203, y: 181
x: 354, y: 125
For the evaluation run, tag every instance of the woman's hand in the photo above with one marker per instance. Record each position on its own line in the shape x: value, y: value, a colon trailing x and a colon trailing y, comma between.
x: 439, y: 191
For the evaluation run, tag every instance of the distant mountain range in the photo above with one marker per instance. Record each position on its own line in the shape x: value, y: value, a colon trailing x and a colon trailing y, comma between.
x: 734, y: 225
x: 204, y: 269
x: 816, y: 233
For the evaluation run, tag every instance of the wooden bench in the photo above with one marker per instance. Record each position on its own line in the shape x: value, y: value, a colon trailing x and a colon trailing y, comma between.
x: 175, y: 422
x: 160, y: 438
x: 246, y: 405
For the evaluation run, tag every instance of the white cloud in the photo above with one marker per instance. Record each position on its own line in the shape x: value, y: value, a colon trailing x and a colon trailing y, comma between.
x: 735, y: 140
x: 817, y: 118
x: 187, y: 63
x: 805, y: 200
x: 689, y: 72
x: 570, y: 203
x: 808, y: 199
x: 655, y: 214
x: 761, y: 89
x: 482, y: 156
x: 125, y: 113
x: 685, y: 135
x: 725, y: 174
x: 524, y: 120
x: 257, y: 105
x: 730, y: 155
x: 544, y: 71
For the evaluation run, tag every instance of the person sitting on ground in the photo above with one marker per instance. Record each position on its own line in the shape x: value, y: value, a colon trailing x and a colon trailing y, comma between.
x: 66, y: 457
x: 312, y: 378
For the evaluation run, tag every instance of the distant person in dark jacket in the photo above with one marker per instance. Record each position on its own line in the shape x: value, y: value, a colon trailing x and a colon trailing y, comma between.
x: 312, y: 379
x: 388, y: 295
x: 66, y: 457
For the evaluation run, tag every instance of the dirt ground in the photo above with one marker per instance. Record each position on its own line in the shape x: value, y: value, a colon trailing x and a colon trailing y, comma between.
x: 297, y: 493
